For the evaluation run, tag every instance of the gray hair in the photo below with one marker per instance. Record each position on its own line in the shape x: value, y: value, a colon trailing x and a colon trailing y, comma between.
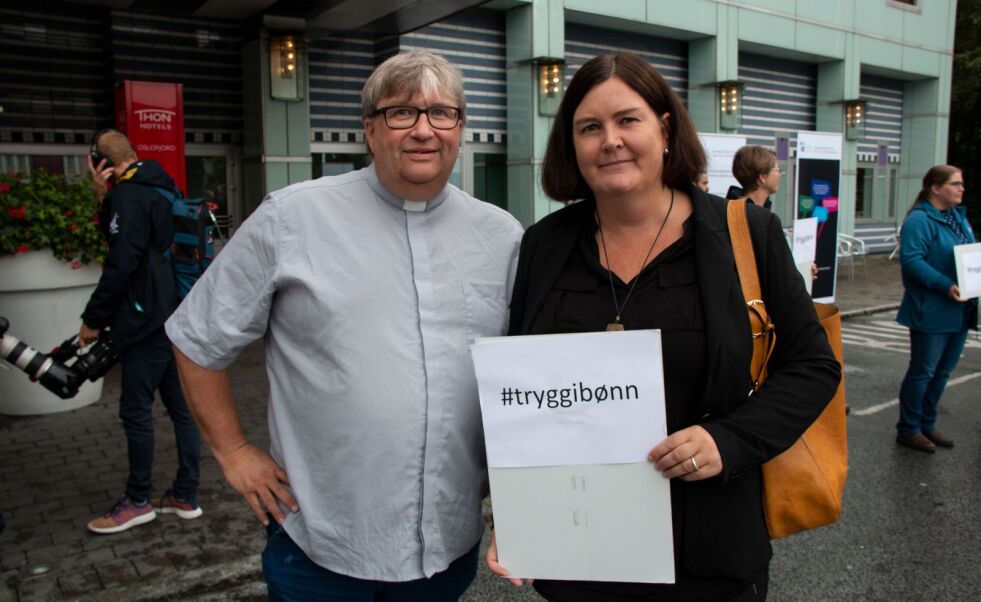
x: 409, y: 73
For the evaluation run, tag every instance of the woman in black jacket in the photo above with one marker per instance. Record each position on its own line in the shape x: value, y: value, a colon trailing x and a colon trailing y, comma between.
x: 646, y: 249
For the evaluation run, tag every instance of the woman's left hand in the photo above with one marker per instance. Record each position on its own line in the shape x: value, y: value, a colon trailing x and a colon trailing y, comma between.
x: 690, y: 454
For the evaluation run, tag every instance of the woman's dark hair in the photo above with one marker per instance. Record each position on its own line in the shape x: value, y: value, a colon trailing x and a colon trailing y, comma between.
x: 936, y: 176
x: 685, y: 157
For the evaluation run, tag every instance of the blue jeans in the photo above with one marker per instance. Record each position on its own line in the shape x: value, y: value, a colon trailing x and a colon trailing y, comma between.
x: 933, y: 356
x: 292, y: 577
x: 146, y: 367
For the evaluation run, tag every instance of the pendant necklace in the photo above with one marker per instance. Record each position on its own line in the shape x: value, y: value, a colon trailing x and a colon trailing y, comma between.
x: 616, y: 325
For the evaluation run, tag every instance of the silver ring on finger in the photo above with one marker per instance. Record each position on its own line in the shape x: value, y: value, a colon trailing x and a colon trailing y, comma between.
x: 694, y: 464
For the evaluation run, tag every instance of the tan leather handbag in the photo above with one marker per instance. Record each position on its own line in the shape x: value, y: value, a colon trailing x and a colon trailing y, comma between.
x: 803, y: 486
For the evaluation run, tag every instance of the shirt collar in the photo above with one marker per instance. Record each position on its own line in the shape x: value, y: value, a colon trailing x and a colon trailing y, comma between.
x: 400, y: 203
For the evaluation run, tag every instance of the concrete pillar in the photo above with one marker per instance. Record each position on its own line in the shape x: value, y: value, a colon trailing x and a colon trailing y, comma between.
x: 926, y: 119
x: 712, y: 60
x: 838, y: 81
x: 276, y: 141
x: 534, y: 30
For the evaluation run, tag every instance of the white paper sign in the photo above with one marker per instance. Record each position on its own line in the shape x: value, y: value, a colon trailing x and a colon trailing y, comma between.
x: 568, y: 422
x: 606, y: 522
x: 719, y: 151
x: 967, y: 259
x: 819, y: 145
x: 592, y: 398
x: 805, y: 240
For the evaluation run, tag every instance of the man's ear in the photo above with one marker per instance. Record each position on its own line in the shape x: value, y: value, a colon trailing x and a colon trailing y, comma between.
x: 369, y: 133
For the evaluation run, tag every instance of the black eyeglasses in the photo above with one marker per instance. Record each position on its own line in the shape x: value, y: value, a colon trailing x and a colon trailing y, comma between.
x: 403, y: 118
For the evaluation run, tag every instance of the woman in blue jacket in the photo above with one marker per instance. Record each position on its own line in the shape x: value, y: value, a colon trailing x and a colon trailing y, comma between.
x: 932, y: 309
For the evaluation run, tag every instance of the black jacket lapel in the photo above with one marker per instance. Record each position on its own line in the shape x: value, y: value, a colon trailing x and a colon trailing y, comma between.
x: 716, y: 276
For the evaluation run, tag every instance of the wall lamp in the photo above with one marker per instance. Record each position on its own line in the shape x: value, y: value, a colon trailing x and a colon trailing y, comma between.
x: 551, y: 73
x: 285, y: 67
x: 855, y: 117
x: 730, y: 104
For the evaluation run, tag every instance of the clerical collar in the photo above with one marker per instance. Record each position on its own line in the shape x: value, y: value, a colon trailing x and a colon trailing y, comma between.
x: 400, y: 203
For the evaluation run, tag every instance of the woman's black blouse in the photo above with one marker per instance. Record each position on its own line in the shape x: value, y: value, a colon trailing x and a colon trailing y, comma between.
x: 665, y: 297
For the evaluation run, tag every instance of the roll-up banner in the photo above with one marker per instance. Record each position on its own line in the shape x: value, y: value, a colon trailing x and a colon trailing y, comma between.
x: 719, y: 151
x: 151, y: 114
x: 818, y: 181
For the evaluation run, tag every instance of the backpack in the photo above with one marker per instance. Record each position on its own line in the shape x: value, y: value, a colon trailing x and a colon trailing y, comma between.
x: 192, y: 247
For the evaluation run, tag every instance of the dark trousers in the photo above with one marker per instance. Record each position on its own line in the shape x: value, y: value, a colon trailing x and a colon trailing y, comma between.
x: 148, y: 366
x: 292, y: 577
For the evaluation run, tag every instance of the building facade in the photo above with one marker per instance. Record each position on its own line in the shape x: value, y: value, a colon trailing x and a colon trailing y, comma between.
x: 797, y: 66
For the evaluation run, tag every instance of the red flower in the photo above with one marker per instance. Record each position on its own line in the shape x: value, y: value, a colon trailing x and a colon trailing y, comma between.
x: 95, y: 218
x: 76, y: 265
x: 4, y: 187
x: 67, y: 212
x: 72, y: 227
x: 17, y: 212
x: 24, y: 248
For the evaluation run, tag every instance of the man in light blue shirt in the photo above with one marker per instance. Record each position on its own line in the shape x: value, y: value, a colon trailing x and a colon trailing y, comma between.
x: 368, y: 289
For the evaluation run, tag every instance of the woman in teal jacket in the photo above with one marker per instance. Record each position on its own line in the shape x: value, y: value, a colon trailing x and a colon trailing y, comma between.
x: 932, y: 309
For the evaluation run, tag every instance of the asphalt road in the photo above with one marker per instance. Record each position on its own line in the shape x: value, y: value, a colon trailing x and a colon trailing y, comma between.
x: 911, y: 521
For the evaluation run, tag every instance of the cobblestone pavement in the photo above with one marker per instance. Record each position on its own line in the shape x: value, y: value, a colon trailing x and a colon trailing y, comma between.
x: 58, y: 471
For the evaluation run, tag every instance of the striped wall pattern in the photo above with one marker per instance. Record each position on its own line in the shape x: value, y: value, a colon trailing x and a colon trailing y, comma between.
x: 59, y: 68
x: 203, y: 54
x: 338, y: 68
x: 779, y: 96
x: 53, y: 64
x: 669, y: 57
x: 883, y: 115
x: 474, y: 41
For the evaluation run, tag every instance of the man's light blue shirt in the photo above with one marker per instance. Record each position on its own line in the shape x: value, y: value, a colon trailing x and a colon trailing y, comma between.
x: 367, y: 305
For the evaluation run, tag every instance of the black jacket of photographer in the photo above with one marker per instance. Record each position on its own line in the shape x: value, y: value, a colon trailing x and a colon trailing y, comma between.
x: 137, y: 291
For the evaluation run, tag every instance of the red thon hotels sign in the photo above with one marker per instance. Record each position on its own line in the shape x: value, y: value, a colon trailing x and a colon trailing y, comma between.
x: 151, y: 114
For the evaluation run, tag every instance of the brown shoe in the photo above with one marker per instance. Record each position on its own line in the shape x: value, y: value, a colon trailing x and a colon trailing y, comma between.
x: 939, y: 439
x: 917, y: 442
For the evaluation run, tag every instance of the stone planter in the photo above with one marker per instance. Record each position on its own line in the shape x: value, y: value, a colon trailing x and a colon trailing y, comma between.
x: 43, y: 299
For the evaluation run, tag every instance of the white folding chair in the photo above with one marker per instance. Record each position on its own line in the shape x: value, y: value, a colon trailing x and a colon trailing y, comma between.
x: 894, y: 238
x: 856, y: 249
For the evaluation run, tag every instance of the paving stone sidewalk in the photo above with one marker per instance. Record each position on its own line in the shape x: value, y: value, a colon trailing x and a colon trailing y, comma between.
x: 58, y: 471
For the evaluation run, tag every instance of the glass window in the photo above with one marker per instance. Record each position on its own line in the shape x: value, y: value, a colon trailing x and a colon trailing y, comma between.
x: 335, y: 164
x: 893, y: 185
x: 863, y: 192
x: 70, y: 166
x: 490, y: 176
x: 456, y: 176
x: 15, y: 164
x: 910, y: 5
x: 206, y: 177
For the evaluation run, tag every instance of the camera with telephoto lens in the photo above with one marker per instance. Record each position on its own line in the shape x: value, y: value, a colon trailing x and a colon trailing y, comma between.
x: 53, y: 370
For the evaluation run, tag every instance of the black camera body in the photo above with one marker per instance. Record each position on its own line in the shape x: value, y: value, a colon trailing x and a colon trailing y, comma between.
x: 53, y: 370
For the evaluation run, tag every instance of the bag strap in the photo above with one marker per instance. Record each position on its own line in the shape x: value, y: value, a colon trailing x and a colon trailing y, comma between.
x: 167, y: 194
x: 764, y: 336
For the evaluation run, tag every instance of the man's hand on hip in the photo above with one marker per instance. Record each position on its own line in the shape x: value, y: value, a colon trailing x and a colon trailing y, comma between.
x: 260, y: 480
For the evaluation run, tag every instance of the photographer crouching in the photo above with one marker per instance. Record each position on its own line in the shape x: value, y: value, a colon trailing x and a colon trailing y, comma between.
x: 134, y: 297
